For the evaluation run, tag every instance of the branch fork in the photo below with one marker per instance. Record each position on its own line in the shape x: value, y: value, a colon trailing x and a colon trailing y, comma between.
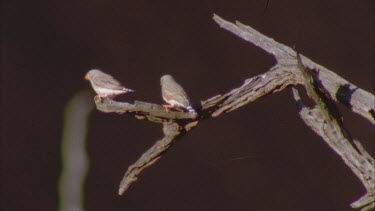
x: 326, y: 88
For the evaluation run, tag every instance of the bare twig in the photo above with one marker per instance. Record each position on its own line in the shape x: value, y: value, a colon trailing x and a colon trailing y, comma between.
x: 272, y: 81
x: 171, y: 132
x: 286, y: 72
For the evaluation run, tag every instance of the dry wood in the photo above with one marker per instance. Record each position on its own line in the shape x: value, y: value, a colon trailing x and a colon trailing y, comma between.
x: 288, y: 71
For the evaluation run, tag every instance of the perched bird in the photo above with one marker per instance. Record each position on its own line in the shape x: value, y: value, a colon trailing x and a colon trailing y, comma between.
x: 174, y: 94
x: 105, y: 85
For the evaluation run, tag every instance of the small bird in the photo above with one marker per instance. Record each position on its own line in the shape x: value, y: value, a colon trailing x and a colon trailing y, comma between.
x: 174, y: 94
x: 105, y: 85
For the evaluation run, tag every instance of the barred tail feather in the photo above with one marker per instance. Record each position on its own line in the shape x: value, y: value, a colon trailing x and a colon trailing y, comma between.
x: 191, y: 109
x: 128, y: 90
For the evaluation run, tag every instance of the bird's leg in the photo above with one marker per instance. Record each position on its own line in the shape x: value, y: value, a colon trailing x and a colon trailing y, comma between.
x: 110, y: 98
x: 167, y: 107
x: 101, y: 97
x: 98, y: 98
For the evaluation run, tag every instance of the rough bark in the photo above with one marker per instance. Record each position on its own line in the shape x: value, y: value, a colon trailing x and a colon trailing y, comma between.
x: 323, y: 85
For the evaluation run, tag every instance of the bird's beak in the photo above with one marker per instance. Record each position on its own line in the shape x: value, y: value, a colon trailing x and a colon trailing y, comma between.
x: 87, y: 76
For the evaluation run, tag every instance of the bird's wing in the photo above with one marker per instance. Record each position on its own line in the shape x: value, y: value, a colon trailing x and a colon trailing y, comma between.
x: 109, y: 82
x: 178, y: 94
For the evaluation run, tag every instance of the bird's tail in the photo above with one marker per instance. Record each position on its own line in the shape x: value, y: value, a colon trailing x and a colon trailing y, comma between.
x: 128, y: 90
x: 191, y: 110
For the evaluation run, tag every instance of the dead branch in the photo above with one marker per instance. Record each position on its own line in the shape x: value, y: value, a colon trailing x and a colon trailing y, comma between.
x: 358, y: 100
x: 143, y: 110
x: 171, y: 132
x: 286, y: 72
x: 326, y: 121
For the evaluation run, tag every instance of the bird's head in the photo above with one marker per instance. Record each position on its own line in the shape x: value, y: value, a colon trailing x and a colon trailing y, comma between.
x: 92, y: 73
x: 165, y: 78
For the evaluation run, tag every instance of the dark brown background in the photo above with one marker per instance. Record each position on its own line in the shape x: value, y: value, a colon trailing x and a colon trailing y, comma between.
x: 49, y: 46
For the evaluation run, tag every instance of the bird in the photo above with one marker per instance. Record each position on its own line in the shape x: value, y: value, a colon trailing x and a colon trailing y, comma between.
x: 105, y: 85
x: 174, y: 94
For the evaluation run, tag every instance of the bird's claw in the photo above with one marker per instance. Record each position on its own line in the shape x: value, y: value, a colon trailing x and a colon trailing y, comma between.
x: 98, y: 98
x: 167, y: 107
